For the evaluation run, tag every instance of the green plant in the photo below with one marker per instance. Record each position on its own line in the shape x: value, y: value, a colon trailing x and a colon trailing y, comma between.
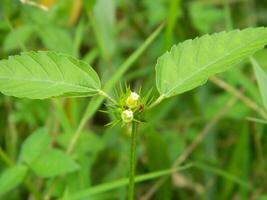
x: 41, y: 75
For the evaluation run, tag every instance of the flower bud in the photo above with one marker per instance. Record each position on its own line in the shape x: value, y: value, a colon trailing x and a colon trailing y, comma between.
x: 132, y: 100
x: 127, y: 116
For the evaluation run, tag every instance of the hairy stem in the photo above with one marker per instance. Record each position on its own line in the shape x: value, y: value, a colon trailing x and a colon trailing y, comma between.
x: 132, y: 161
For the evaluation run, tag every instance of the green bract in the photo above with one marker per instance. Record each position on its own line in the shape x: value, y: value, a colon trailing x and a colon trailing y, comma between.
x: 191, y: 63
x: 40, y: 75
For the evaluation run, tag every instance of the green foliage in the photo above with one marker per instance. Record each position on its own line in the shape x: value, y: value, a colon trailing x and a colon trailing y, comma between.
x: 17, y: 37
x: 123, y: 182
x: 220, y: 172
x: 262, y: 81
x: 237, y: 166
x: 156, y: 148
x: 205, y: 16
x: 158, y: 5
x: 88, y: 142
x: 43, y: 160
x: 191, y: 63
x: 57, y: 39
x: 75, y: 156
x: 40, y: 75
x: 52, y: 163
x: 35, y: 146
x: 89, y: 4
x: 103, y: 23
x: 12, y: 177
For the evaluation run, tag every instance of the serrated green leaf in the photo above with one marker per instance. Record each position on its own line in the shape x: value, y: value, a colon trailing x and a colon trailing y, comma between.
x: 40, y: 75
x: 35, y: 145
x: 261, y: 80
x: 12, y: 177
x: 53, y: 163
x: 191, y: 63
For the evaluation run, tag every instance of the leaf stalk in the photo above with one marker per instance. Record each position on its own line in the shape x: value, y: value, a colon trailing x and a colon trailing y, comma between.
x: 158, y: 100
x: 104, y: 94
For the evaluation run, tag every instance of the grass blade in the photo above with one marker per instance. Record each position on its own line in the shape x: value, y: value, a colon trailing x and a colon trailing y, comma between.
x: 222, y: 173
x: 123, y: 182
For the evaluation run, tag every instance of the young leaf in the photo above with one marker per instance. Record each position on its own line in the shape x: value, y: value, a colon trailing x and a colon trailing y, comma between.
x: 35, y: 145
x: 40, y: 75
x: 12, y: 177
x: 191, y: 63
x: 262, y: 80
x: 53, y: 163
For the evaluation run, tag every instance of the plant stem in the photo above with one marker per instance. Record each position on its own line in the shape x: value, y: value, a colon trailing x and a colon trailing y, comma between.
x: 249, y: 102
x: 132, y: 161
x: 104, y: 94
x: 158, y: 100
x: 96, y: 102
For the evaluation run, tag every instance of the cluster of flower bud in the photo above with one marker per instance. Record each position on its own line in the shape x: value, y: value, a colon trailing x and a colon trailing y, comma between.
x: 131, y: 103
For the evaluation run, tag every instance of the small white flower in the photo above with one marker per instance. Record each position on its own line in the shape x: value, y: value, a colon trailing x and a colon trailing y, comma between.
x: 127, y: 116
x: 132, y: 100
x: 134, y: 96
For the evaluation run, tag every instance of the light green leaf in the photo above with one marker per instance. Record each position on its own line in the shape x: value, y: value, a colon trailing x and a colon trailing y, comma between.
x: 35, y: 145
x: 161, y: 6
x: 53, y: 163
x: 12, y: 177
x: 56, y: 39
x: 262, y: 80
x: 104, y: 23
x: 205, y: 16
x: 40, y: 75
x: 191, y: 63
x: 17, y: 36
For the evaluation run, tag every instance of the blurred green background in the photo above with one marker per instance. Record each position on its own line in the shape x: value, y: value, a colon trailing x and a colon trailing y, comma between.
x: 208, y: 126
